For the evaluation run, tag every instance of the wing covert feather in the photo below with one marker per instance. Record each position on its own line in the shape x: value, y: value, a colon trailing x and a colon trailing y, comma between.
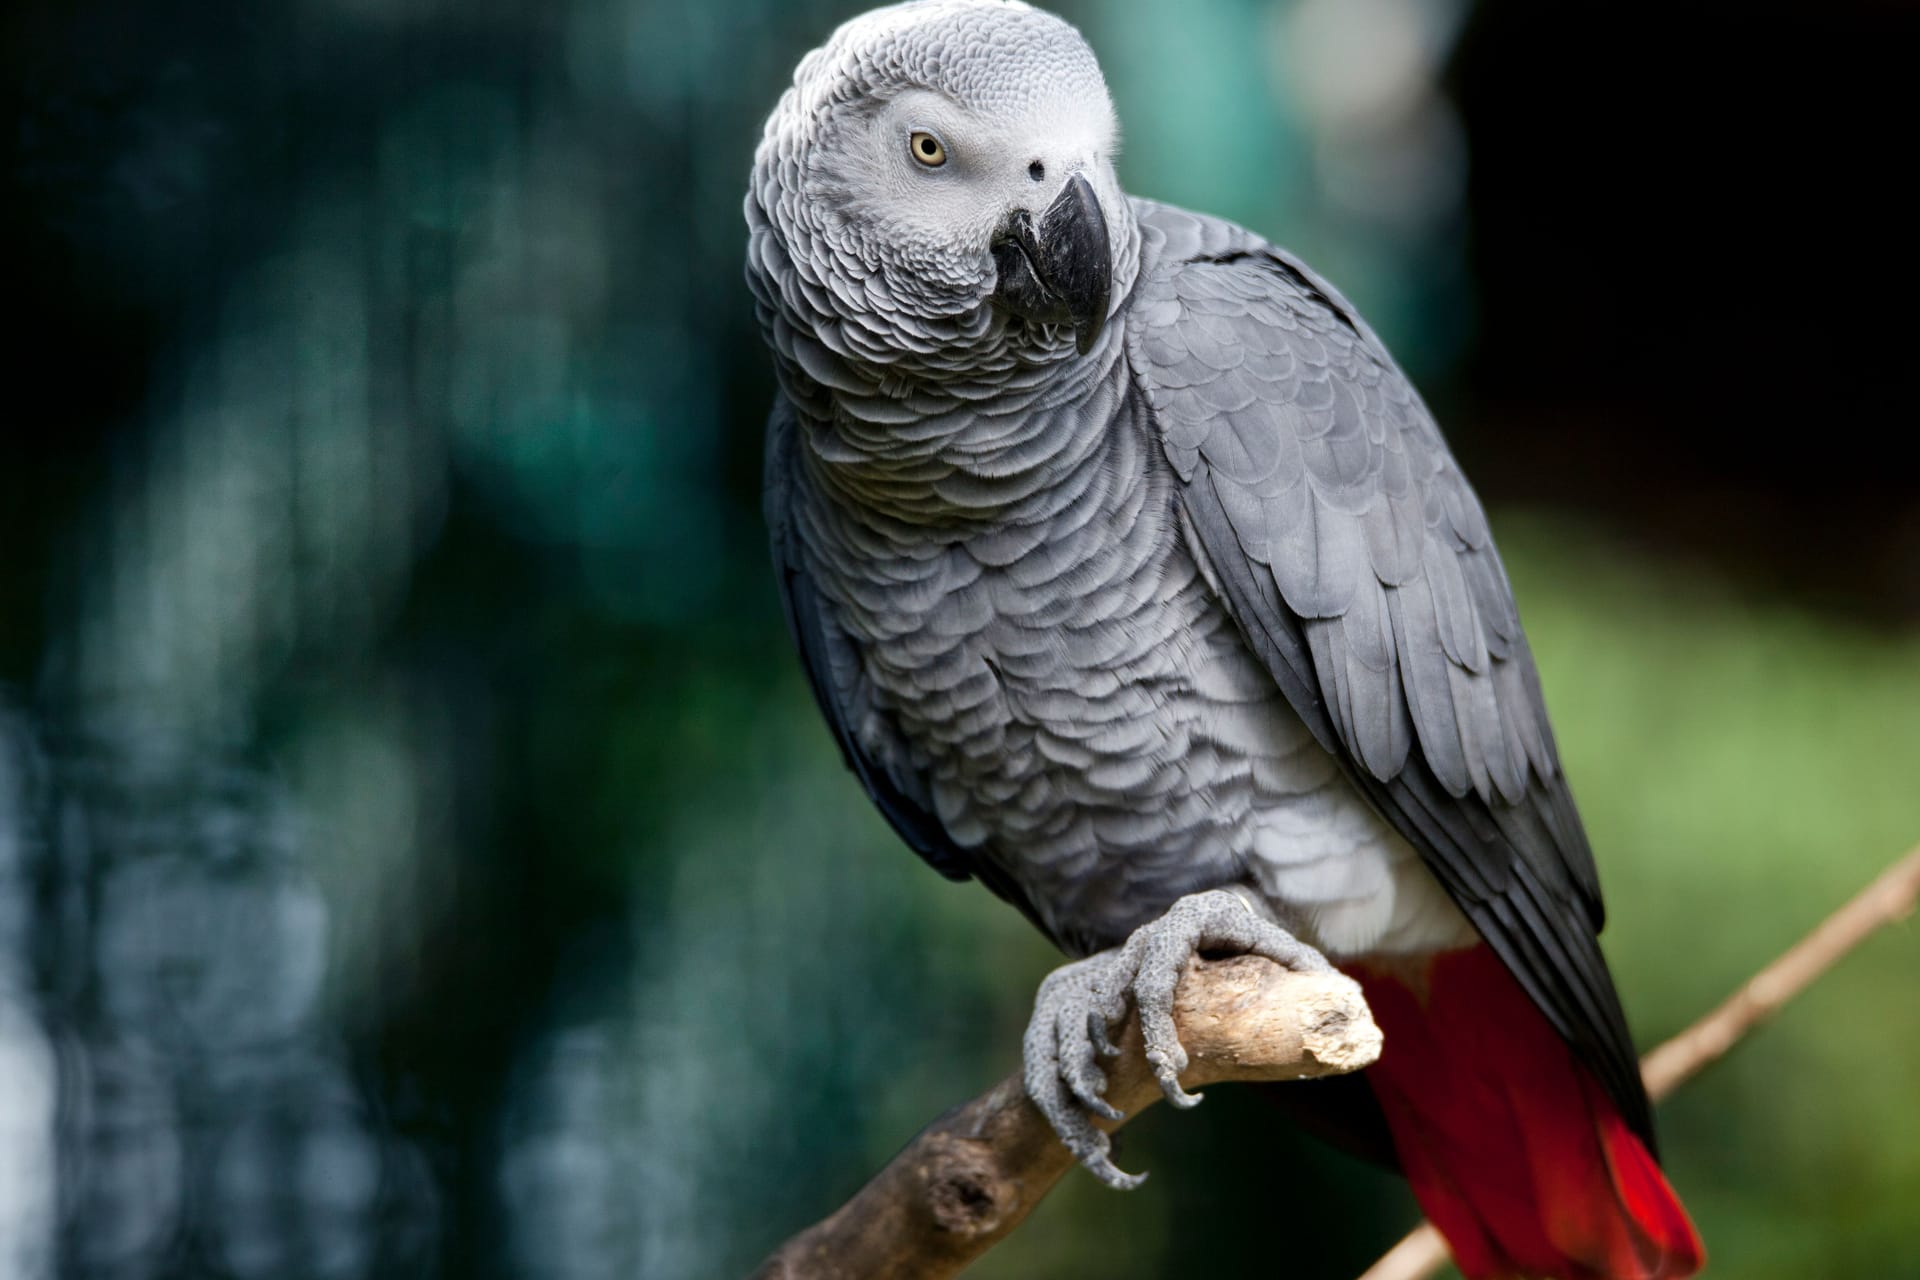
x: 1359, y: 565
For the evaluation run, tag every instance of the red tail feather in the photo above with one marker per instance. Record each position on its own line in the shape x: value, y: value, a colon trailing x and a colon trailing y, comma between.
x: 1513, y: 1148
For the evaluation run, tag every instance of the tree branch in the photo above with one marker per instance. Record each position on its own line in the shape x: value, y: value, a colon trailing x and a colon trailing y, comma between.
x: 974, y: 1174
x: 1891, y: 896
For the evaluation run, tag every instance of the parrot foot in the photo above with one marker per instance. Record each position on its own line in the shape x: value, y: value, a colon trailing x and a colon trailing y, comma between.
x: 1078, y: 1002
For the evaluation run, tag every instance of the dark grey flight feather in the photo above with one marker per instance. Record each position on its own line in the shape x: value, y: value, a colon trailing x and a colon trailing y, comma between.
x: 1358, y: 564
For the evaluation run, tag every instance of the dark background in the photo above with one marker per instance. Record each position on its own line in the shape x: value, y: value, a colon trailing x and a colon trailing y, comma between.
x: 418, y: 854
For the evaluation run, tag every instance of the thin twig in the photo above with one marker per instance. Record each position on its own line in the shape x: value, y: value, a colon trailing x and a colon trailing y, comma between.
x: 1891, y: 896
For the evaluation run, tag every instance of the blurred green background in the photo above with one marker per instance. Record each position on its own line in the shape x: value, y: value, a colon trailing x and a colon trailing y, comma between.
x: 419, y: 855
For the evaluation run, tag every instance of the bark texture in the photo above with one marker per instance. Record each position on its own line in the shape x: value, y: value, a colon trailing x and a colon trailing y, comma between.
x: 975, y: 1173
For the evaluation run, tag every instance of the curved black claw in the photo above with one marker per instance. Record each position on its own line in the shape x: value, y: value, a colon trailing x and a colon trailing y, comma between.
x: 1062, y: 1076
x: 1079, y: 1002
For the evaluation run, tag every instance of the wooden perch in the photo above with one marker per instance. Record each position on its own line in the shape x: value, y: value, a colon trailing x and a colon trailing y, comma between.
x: 974, y: 1174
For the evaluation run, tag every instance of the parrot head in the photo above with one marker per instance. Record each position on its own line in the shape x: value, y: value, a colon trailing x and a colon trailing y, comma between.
x: 936, y: 191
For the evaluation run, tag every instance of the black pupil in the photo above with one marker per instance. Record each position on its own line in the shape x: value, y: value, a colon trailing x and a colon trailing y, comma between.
x: 926, y: 146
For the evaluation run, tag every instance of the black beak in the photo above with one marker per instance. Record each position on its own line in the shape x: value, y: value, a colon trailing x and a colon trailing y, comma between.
x: 1060, y: 269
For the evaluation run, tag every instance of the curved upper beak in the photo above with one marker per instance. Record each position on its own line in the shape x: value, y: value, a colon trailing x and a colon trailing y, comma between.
x: 1058, y: 268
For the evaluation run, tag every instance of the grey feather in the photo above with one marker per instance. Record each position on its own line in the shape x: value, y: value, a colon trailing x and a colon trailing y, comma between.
x: 1203, y: 600
x: 1376, y: 523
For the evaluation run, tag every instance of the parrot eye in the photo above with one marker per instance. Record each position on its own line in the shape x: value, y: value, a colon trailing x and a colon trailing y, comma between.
x: 927, y: 149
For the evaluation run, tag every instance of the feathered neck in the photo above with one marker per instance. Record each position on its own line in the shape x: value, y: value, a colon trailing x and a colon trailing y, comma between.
x: 975, y: 403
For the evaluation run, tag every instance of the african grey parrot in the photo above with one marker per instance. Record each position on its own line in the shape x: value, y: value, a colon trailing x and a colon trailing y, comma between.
x: 1135, y: 580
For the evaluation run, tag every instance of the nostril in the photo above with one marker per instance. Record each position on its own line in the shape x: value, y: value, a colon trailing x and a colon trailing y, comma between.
x: 1036, y: 171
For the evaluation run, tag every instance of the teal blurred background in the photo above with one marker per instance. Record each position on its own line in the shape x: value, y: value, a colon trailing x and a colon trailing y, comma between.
x: 419, y: 855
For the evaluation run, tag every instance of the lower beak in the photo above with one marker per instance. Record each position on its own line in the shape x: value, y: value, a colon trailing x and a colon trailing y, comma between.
x: 1058, y: 269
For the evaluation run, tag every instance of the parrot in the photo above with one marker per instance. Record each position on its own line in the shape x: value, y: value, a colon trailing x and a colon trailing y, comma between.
x: 1135, y: 580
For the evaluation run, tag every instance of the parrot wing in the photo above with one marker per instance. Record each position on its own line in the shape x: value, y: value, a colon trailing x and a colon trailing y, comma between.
x: 869, y: 743
x: 1358, y: 564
